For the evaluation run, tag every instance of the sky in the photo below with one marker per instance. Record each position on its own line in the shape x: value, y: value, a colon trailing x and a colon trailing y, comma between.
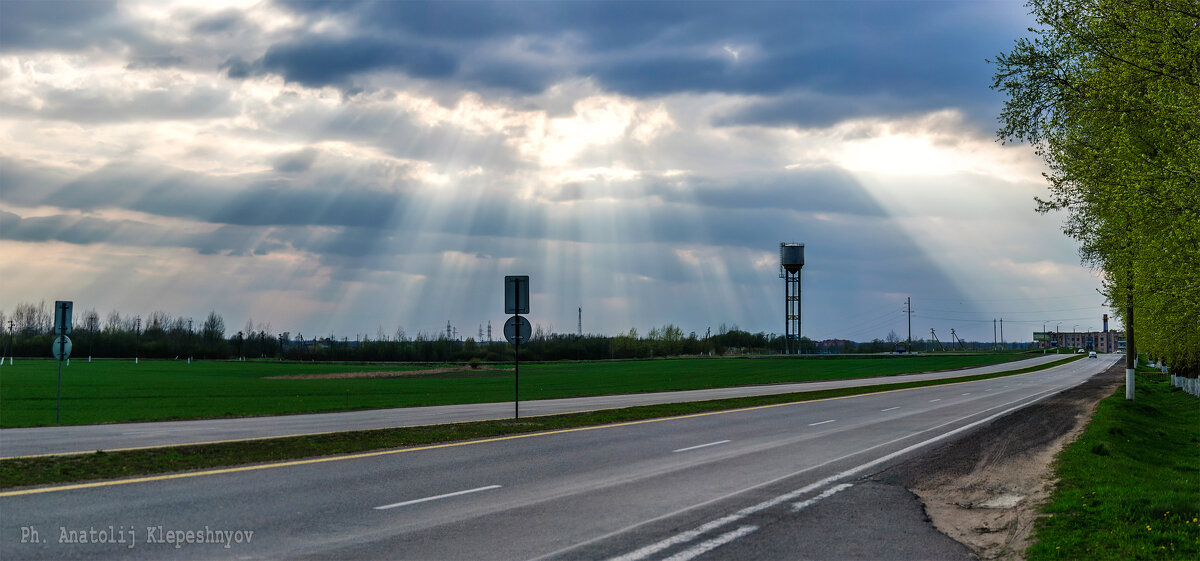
x: 355, y: 168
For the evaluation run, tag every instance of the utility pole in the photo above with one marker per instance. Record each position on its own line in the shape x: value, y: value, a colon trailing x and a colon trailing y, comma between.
x: 581, y: 321
x: 1001, y: 331
x: 489, y: 331
x: 994, y: 345
x: 908, y: 309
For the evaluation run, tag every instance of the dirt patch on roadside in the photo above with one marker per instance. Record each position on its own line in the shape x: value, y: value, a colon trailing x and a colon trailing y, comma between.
x: 984, y: 490
x: 445, y: 372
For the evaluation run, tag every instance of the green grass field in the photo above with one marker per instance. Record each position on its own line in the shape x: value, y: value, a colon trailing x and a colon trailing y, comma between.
x: 1130, y: 486
x: 115, y: 391
x: 45, y: 470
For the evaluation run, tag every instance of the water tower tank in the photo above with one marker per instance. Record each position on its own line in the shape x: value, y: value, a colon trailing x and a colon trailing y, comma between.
x: 791, y: 256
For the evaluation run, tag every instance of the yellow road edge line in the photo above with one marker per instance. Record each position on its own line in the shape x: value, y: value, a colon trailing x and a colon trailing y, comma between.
x: 256, y: 467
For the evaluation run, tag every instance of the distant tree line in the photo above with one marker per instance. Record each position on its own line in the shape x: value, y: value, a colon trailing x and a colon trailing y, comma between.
x: 27, y: 332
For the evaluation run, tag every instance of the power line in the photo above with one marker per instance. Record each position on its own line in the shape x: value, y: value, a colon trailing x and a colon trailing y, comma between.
x: 1038, y: 320
x: 1011, y: 312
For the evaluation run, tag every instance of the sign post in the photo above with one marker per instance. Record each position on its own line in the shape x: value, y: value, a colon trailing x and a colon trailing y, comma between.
x: 516, y: 302
x: 61, y: 349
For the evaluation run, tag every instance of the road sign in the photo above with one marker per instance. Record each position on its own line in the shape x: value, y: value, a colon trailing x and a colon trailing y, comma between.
x: 516, y: 294
x: 511, y: 326
x: 62, y: 317
x: 62, y: 348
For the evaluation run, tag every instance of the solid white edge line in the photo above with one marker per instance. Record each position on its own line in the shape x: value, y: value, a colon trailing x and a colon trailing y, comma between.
x: 446, y: 496
x: 821, y: 423
x: 796, y: 507
x: 709, y: 545
x: 687, y: 536
x: 268, y: 437
x: 700, y: 446
x: 889, y: 409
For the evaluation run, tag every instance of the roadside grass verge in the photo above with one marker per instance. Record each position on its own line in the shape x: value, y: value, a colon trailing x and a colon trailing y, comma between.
x: 1129, y: 488
x: 121, y: 391
x: 45, y: 470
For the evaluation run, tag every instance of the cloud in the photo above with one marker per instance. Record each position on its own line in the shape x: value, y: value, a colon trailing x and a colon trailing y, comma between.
x: 29, y: 24
x: 308, y: 161
x: 224, y: 22
x: 95, y: 106
x: 808, y: 62
x: 295, y: 162
x: 320, y: 61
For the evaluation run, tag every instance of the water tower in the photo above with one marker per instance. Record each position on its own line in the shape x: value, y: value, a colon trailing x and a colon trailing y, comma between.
x: 791, y: 260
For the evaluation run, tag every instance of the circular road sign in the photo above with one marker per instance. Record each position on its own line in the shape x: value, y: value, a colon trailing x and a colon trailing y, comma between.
x: 61, y: 348
x: 511, y: 326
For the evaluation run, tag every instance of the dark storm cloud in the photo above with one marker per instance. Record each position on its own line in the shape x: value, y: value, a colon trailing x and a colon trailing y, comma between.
x: 316, y: 61
x: 88, y: 230
x: 81, y: 230
x: 861, y: 58
x: 279, y: 203
x: 244, y: 201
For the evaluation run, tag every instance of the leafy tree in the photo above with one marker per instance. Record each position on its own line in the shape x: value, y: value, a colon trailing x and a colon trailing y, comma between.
x: 1108, y: 93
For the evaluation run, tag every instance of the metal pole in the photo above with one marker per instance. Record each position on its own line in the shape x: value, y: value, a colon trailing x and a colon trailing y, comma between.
x: 908, y: 305
x: 517, y: 372
x: 787, y: 310
x: 62, y: 350
x: 517, y: 356
x: 58, y: 405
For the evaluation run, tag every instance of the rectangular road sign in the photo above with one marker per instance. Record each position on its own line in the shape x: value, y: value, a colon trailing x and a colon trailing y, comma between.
x: 62, y: 317
x: 516, y: 294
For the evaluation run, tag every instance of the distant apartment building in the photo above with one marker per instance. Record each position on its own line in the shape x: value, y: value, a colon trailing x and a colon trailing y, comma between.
x: 1111, y: 341
x: 1106, y: 341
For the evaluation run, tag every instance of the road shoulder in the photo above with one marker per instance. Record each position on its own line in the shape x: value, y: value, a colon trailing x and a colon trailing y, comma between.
x: 985, y: 489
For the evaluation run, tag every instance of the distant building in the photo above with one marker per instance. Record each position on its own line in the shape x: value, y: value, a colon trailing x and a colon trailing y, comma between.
x: 1111, y: 341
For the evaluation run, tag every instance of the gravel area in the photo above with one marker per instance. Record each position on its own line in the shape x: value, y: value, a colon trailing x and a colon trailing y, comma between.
x: 984, y: 490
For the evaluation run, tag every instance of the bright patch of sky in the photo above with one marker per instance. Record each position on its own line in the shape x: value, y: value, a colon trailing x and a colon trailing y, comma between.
x: 348, y: 167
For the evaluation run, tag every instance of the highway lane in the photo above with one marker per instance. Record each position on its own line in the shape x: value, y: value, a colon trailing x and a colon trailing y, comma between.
x: 681, y: 488
x: 90, y: 438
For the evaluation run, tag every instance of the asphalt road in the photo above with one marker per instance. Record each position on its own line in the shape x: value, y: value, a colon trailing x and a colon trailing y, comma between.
x: 763, y: 483
x: 90, y: 438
